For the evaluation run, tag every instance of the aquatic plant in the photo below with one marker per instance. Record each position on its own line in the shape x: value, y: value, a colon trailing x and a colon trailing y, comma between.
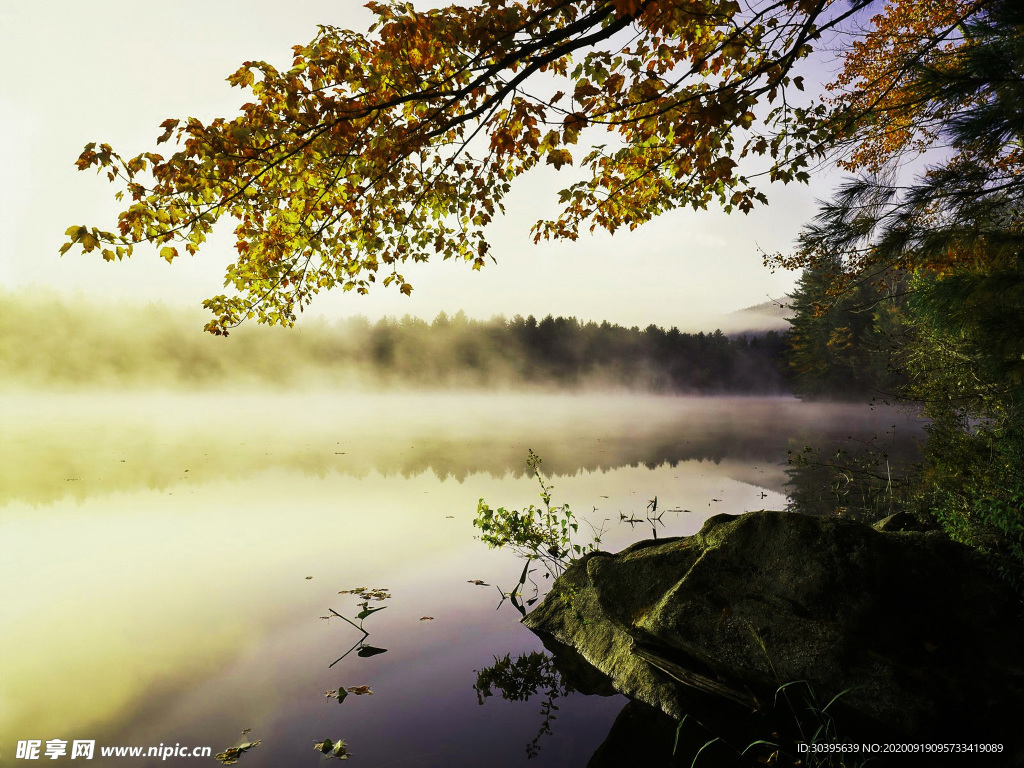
x: 544, y: 534
x: 362, y: 649
x: 808, y: 722
x: 537, y: 534
x: 804, y: 721
x: 863, y: 479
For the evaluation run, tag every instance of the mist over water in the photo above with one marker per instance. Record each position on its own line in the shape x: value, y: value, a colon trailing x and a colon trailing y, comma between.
x: 58, y: 446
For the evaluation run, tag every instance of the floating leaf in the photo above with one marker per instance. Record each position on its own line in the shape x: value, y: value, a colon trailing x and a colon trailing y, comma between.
x: 337, y: 749
x: 340, y: 750
x: 367, y: 611
x: 230, y: 756
x: 426, y: 618
x: 478, y: 582
x: 368, y: 650
x: 368, y: 593
x: 360, y: 690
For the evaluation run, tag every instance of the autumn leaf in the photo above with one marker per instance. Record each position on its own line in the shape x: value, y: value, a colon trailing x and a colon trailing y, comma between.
x: 628, y: 7
x: 370, y: 593
x: 231, y: 755
x: 333, y: 749
x: 881, y: 78
x: 559, y: 157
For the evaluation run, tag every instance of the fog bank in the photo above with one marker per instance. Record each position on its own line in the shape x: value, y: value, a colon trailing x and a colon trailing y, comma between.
x: 52, y: 342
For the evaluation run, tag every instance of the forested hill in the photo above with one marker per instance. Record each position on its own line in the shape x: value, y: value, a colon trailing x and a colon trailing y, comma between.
x: 53, y: 343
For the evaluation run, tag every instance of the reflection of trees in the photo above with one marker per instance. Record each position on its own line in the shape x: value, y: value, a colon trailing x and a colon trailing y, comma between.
x: 520, y: 680
x: 715, y: 732
x: 640, y: 735
x: 45, y: 458
x: 861, y: 478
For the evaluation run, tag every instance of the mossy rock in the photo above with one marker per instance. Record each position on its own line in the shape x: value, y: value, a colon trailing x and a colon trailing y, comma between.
x: 922, y: 638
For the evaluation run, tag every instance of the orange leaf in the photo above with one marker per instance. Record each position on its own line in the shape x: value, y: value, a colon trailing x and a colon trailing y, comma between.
x: 628, y: 7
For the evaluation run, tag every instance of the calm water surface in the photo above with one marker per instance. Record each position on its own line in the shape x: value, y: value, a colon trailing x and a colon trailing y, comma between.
x: 166, y: 559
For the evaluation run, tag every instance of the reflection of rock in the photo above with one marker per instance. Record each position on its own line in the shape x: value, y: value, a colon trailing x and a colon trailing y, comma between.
x: 644, y: 735
x: 576, y: 672
x: 641, y: 735
x: 928, y: 638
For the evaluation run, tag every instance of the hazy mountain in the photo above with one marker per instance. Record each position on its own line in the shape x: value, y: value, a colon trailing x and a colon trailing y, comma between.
x: 767, y: 316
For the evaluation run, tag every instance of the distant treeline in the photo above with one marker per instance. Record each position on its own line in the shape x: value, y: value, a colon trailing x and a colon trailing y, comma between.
x: 565, y: 351
x: 52, y: 342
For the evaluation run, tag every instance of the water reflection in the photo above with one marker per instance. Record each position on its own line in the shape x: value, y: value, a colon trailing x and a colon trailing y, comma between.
x: 714, y: 732
x: 156, y: 555
x: 640, y: 734
x: 527, y: 676
x: 860, y: 476
x: 78, y: 446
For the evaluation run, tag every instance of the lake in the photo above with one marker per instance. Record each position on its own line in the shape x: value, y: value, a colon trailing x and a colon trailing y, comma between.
x: 168, y: 560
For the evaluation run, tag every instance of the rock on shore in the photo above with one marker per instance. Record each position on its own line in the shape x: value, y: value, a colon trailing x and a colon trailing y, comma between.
x: 918, y: 636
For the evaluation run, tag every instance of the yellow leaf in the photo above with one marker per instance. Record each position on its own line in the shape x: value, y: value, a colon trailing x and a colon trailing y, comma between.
x: 559, y: 157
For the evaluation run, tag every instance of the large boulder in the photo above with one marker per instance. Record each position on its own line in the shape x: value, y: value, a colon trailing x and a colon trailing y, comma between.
x: 912, y: 629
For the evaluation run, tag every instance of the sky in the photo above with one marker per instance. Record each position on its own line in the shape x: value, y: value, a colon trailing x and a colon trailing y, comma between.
x: 113, y: 70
